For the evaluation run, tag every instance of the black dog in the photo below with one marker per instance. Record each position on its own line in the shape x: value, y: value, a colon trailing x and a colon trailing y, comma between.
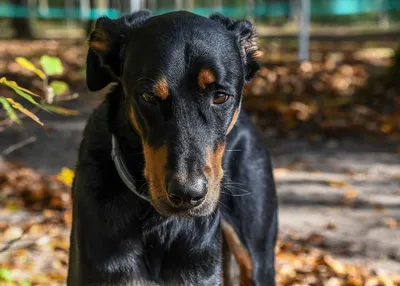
x: 184, y: 168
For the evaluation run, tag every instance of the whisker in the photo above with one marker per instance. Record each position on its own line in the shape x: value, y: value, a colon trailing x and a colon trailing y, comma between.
x: 233, y: 150
x: 219, y: 202
x: 143, y: 186
x: 232, y: 191
x: 240, y: 189
x: 233, y: 183
x: 234, y: 195
x: 233, y: 186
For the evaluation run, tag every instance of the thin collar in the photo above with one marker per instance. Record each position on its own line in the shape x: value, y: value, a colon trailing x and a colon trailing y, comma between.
x: 122, y: 170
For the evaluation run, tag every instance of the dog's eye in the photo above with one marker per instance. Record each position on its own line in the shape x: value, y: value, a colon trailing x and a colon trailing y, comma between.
x: 220, y: 97
x: 150, y: 98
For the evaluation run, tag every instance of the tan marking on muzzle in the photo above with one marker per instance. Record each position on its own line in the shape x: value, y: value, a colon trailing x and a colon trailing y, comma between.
x: 213, y: 168
x: 240, y: 253
x: 161, y: 89
x: 154, y: 170
x: 214, y: 172
x: 205, y: 77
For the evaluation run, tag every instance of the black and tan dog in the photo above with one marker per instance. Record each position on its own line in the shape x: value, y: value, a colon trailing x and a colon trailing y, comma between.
x: 168, y: 171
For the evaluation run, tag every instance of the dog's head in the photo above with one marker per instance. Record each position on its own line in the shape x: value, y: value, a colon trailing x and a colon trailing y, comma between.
x: 182, y: 76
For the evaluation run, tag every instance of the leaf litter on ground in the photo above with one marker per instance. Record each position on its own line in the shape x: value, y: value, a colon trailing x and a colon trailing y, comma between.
x: 35, y: 212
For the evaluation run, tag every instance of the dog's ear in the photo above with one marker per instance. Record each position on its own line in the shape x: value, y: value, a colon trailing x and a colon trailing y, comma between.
x: 247, y: 39
x: 106, y: 48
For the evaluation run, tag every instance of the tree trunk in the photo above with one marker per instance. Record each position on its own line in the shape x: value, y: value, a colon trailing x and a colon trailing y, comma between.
x: 21, y: 25
x: 394, y: 74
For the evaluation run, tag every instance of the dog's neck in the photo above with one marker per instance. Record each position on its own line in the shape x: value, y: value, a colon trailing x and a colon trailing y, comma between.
x: 127, y: 143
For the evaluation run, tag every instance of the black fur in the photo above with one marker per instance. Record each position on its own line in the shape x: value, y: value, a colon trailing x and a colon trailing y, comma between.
x: 119, y: 239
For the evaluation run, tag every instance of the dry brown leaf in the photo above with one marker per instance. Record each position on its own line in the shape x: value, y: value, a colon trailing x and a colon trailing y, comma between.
x: 391, y: 223
x: 350, y: 195
x: 379, y: 208
x: 331, y: 226
x: 337, y: 184
x: 25, y: 111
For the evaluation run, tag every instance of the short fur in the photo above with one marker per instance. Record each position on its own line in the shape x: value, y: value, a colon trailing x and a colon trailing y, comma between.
x: 118, y: 238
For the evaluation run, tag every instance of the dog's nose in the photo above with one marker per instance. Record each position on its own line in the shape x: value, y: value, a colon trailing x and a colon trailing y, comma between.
x: 190, y: 194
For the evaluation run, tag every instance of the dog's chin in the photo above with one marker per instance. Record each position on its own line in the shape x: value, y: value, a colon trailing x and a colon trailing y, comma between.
x: 164, y: 208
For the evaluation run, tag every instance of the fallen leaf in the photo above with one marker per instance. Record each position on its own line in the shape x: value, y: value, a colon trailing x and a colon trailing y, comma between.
x: 391, y: 223
x: 337, y: 184
x: 350, y: 196
x: 331, y: 226
x: 66, y: 176
x: 378, y: 208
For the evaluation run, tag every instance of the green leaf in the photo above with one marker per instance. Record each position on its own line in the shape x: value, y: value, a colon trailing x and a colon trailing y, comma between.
x: 20, y: 91
x: 25, y: 283
x: 30, y: 66
x: 9, y: 110
x: 5, y: 274
x: 59, y: 87
x: 51, y: 65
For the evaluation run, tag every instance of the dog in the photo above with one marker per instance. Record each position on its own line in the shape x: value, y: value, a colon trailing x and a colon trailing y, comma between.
x: 173, y: 184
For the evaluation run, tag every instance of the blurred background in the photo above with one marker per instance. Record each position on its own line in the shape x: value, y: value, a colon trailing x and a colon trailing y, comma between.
x: 327, y: 99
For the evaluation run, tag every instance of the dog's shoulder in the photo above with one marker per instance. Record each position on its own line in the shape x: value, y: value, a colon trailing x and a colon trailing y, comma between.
x: 245, y: 135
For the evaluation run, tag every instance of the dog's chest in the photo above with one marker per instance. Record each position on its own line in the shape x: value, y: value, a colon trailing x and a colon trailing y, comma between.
x: 179, y: 263
x: 168, y: 258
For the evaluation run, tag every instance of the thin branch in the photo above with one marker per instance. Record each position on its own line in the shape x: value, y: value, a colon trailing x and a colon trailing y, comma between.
x: 19, y: 145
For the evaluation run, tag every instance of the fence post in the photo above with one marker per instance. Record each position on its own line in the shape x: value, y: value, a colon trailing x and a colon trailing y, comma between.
x: 134, y: 5
x: 383, y: 16
x: 304, y: 30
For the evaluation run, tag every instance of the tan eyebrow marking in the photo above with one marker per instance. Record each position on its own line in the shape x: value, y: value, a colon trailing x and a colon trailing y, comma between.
x: 161, y: 89
x: 206, y: 76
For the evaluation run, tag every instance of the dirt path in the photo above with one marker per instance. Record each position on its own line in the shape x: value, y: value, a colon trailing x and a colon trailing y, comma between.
x: 345, y: 194
x: 341, y: 196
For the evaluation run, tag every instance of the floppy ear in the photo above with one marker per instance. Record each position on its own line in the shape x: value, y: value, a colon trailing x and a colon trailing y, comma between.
x: 247, y: 39
x: 106, y: 48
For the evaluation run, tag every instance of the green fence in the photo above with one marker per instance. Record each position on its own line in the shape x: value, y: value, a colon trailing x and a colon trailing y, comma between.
x: 274, y: 9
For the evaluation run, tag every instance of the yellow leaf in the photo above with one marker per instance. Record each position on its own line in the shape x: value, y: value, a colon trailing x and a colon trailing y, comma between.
x: 335, y: 265
x: 61, y: 110
x: 386, y: 128
x: 66, y: 176
x: 280, y: 171
x: 30, y: 66
x: 14, y: 85
x: 391, y: 223
x: 337, y: 184
x: 350, y: 195
x: 25, y: 111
